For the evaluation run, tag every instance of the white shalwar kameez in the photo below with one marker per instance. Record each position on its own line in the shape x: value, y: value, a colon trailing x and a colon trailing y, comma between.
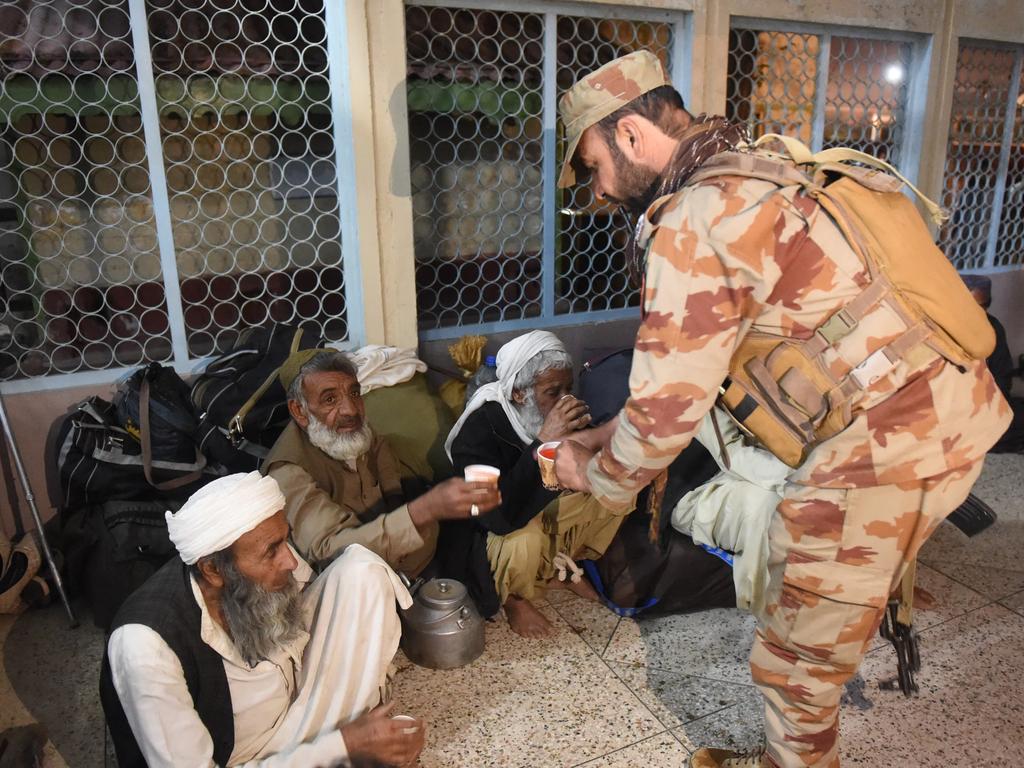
x: 287, y: 709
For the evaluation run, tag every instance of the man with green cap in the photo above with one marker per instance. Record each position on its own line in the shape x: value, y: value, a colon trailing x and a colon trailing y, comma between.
x: 729, y: 260
x: 341, y: 482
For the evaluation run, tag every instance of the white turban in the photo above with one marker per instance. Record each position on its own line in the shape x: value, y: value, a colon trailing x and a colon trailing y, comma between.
x: 216, y: 515
x: 510, y: 361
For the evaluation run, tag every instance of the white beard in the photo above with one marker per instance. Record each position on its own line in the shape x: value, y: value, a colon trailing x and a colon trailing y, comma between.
x: 340, y: 446
x: 529, y: 414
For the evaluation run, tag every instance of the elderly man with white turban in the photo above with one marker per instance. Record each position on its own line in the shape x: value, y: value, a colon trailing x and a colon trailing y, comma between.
x: 534, y: 532
x: 232, y: 655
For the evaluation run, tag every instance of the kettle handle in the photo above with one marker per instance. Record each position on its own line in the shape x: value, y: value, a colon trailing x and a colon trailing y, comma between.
x: 412, y: 586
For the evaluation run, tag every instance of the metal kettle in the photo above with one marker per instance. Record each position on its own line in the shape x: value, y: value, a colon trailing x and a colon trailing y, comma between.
x: 442, y: 629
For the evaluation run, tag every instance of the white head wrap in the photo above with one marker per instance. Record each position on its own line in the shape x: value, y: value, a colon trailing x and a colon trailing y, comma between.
x: 510, y: 361
x: 216, y: 515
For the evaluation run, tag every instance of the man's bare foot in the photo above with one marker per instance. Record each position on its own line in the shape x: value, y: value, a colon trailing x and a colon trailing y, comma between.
x: 583, y: 588
x: 525, y: 619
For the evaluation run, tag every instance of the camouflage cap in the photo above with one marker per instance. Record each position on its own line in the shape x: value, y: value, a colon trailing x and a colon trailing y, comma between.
x: 600, y: 93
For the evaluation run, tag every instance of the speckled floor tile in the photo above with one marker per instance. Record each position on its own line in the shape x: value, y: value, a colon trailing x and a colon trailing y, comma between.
x: 594, y: 623
x: 993, y: 583
x: 739, y: 727
x: 558, y: 596
x: 546, y: 702
x: 951, y: 599
x: 675, y: 698
x: 712, y: 643
x: 661, y: 751
x: 970, y: 710
x: 999, y: 484
x: 53, y: 671
x: 1014, y: 602
x: 1000, y: 546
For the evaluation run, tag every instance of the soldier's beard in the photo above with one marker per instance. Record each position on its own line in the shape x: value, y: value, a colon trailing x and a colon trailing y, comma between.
x: 340, y: 446
x: 637, y: 185
x: 259, y: 621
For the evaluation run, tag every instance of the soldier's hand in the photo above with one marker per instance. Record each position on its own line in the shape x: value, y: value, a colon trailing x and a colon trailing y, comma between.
x: 571, y: 465
x: 455, y: 499
x: 567, y: 415
x: 376, y: 738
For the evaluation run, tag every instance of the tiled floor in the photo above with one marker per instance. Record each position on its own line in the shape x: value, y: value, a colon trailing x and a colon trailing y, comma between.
x: 611, y: 693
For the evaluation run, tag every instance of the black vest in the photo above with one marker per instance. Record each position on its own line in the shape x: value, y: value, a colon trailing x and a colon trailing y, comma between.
x: 167, y: 605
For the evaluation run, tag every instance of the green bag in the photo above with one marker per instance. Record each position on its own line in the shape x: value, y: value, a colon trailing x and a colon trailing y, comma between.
x: 415, y: 423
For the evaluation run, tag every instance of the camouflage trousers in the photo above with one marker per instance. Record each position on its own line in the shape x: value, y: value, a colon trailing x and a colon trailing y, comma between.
x: 835, y: 556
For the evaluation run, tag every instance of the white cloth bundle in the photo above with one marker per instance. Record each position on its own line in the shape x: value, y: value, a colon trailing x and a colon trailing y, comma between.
x: 510, y: 361
x: 381, y: 366
x: 216, y: 515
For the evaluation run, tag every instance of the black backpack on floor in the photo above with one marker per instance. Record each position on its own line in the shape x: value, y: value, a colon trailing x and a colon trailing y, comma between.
x: 110, y: 550
x: 671, y: 575
x: 241, y: 405
x: 100, y: 458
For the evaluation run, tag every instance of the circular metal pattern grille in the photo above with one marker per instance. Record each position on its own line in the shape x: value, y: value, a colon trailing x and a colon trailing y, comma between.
x: 975, y: 153
x: 777, y: 84
x: 475, y: 145
x: 79, y: 267
x: 244, y: 112
x: 591, y: 272
x: 245, y: 122
x: 866, y: 99
x: 771, y: 82
x: 477, y: 113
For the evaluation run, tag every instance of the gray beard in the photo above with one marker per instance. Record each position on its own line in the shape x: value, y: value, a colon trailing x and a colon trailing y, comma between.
x: 530, y: 415
x: 340, y: 446
x: 260, y: 622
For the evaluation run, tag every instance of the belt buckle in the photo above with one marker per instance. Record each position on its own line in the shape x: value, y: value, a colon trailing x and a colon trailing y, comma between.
x: 872, y: 368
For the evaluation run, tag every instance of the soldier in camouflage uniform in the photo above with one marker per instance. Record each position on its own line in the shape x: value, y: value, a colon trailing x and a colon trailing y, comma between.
x: 728, y: 256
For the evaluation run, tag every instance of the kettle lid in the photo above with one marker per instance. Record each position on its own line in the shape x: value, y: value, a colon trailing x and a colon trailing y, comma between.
x: 442, y: 593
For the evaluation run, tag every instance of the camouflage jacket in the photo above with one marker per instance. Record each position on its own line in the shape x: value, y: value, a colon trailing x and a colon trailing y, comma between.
x: 730, y: 255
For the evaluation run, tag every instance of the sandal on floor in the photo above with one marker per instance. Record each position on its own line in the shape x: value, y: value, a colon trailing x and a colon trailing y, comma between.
x: 18, y: 570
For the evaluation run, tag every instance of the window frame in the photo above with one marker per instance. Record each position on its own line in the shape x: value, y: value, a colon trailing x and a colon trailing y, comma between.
x: 681, y: 22
x: 339, y: 77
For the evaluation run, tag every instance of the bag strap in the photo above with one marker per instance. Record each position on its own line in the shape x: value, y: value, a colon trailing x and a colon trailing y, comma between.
x: 235, y: 425
x: 802, y: 155
x: 147, y: 448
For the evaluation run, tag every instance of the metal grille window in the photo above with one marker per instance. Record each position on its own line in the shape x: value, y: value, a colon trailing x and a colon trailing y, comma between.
x: 168, y: 176
x: 497, y: 246
x: 824, y: 88
x: 984, y: 178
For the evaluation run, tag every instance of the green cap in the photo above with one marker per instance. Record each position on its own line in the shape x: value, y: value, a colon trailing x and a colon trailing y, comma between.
x: 602, y: 92
x: 290, y: 368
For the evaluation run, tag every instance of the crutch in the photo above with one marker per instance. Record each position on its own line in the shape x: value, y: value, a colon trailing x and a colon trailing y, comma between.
x: 30, y: 497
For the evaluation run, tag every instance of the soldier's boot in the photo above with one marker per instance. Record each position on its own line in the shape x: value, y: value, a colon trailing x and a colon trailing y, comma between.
x: 727, y: 758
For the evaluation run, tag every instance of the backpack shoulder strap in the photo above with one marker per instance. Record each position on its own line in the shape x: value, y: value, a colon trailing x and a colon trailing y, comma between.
x: 235, y: 426
x: 839, y: 159
x: 765, y: 166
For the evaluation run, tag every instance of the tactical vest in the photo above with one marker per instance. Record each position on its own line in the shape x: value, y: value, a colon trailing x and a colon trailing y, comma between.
x: 791, y: 394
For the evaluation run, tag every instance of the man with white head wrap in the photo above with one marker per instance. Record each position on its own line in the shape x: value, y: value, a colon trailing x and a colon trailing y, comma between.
x: 533, y: 530
x: 232, y: 655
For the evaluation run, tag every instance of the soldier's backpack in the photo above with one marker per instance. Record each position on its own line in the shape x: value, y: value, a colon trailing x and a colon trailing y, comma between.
x: 241, y: 405
x: 780, y: 390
